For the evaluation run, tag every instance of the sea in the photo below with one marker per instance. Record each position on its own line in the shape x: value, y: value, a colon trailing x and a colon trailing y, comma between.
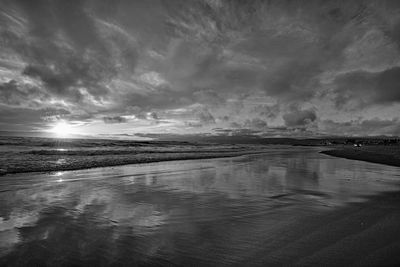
x: 37, y: 154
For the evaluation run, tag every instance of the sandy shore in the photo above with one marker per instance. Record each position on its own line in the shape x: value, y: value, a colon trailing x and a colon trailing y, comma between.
x: 360, y: 234
x: 389, y: 155
x: 208, y: 228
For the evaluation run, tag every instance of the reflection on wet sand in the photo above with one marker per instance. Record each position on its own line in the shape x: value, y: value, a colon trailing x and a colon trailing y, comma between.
x: 174, y: 212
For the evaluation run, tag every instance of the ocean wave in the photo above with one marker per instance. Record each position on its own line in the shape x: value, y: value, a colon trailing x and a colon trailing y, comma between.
x: 66, y: 152
x: 43, y: 155
x: 49, y: 163
x: 87, y: 143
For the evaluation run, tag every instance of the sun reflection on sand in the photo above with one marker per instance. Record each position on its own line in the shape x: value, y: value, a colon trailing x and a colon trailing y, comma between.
x: 59, y: 175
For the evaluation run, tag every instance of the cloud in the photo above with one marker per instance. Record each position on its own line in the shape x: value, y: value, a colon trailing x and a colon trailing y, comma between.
x: 152, y: 115
x: 293, y: 82
x: 64, y: 49
x: 201, y: 64
x: 361, y: 127
x: 58, y: 84
x: 267, y: 111
x: 116, y: 119
x: 362, y: 88
x: 205, y: 117
x: 16, y: 94
x: 235, y: 125
x: 54, y: 114
x: 297, y: 117
x: 255, y: 123
x: 17, y: 118
x: 208, y: 97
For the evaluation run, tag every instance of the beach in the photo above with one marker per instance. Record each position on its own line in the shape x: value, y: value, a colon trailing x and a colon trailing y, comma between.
x: 389, y: 155
x: 199, y: 133
x: 286, y: 206
x: 360, y: 234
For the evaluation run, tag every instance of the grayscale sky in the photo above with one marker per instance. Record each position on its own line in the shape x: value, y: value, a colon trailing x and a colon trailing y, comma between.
x: 266, y: 68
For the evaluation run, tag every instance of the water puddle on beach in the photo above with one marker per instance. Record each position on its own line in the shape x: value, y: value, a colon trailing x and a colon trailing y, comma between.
x: 209, y: 212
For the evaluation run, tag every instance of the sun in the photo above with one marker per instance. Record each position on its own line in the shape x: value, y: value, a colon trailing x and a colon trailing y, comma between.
x: 62, y: 129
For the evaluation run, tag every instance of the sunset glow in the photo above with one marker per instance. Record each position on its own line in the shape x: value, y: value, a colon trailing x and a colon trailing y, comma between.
x: 62, y: 129
x: 146, y: 69
x: 200, y: 133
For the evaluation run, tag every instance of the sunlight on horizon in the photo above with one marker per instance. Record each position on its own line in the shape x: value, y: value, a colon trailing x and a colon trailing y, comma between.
x: 62, y: 129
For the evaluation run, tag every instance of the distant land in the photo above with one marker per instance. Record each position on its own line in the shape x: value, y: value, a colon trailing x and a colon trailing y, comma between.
x: 227, y: 139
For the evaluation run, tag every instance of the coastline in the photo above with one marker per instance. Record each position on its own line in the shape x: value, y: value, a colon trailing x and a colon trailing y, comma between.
x: 358, y: 234
x: 295, y: 229
x: 387, y: 155
x: 107, y: 161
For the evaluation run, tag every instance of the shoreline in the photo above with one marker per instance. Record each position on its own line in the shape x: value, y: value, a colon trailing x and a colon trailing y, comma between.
x: 358, y: 234
x: 374, y: 154
x: 105, y: 162
x: 290, y: 231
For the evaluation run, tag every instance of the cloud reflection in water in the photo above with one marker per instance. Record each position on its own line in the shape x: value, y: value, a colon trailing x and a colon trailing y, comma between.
x: 158, y: 212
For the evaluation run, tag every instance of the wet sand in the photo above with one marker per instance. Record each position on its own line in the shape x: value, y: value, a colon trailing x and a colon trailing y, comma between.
x: 388, y: 155
x: 292, y: 207
x: 360, y: 234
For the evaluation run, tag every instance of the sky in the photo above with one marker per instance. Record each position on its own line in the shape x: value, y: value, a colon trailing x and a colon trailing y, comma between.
x: 147, y: 68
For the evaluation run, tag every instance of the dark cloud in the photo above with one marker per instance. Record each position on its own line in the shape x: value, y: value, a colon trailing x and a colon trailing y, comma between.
x: 255, y: 123
x: 267, y: 111
x: 65, y: 50
x: 359, y: 127
x: 15, y: 94
x: 224, y: 118
x: 205, y: 117
x: 153, y: 115
x: 193, y: 124
x: 235, y: 125
x: 298, y: 117
x: 58, y: 84
x: 152, y: 59
x: 208, y: 97
x: 197, y: 117
x: 54, y: 114
x: 363, y: 88
x: 236, y: 132
x: 293, y: 82
x: 115, y: 119
x: 18, y: 118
